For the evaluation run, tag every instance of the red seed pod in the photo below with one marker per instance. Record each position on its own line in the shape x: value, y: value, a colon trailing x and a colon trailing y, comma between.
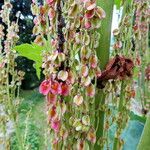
x: 45, y: 87
x: 90, y: 90
x: 65, y: 89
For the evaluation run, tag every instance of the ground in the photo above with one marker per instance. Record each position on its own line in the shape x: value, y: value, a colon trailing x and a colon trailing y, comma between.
x: 34, y: 105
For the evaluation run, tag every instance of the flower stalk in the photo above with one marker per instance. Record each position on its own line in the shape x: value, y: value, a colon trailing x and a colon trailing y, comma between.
x: 10, y: 78
x: 79, y: 77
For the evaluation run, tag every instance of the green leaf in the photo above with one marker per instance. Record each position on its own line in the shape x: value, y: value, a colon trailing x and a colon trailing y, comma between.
x: 144, y: 143
x: 38, y: 69
x: 118, y: 3
x: 133, y: 116
x: 32, y: 52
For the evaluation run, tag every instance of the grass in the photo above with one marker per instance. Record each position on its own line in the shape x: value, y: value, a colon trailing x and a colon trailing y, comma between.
x: 34, y: 103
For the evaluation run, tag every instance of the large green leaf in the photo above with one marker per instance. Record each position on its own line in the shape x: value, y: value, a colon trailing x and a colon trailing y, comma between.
x: 32, y: 52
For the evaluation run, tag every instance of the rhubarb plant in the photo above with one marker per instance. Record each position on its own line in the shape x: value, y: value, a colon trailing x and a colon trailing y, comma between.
x: 77, y: 90
x: 88, y: 89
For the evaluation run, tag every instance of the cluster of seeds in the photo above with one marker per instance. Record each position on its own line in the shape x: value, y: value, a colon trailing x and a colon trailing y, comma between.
x: 141, y: 42
x: 131, y: 41
x: 71, y: 66
x: 10, y: 78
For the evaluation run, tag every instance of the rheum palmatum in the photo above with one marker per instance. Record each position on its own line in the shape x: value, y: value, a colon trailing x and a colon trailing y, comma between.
x: 67, y: 30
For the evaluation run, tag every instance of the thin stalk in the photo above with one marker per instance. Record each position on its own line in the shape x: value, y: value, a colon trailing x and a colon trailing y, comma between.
x: 100, y: 115
x: 10, y: 98
x: 126, y: 9
x: 12, y: 111
x: 26, y: 131
x: 121, y: 101
x: 19, y: 137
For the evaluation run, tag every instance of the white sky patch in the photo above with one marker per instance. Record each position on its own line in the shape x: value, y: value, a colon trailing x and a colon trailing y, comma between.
x: 115, y: 21
x: 116, y: 18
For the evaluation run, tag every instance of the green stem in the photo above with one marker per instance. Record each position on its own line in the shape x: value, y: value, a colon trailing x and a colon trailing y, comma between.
x: 121, y: 102
x: 121, y: 96
x: 13, y: 112
x: 103, y: 50
x: 10, y: 98
x: 103, y: 55
x: 115, y: 146
x: 100, y: 100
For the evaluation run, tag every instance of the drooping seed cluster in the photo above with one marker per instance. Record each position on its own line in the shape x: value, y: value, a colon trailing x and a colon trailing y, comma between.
x: 71, y: 67
x: 141, y: 39
x: 68, y: 31
x: 130, y: 44
x: 82, y: 20
x: 120, y: 69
